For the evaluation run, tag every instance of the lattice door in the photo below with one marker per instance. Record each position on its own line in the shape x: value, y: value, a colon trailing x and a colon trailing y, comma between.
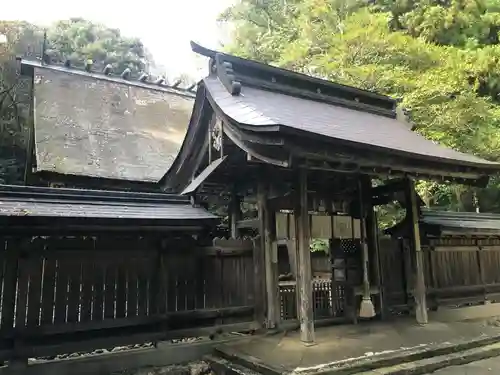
x: 346, y: 271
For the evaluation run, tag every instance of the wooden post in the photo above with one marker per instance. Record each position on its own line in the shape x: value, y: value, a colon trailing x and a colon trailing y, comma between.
x: 267, y: 225
x: 234, y: 214
x: 304, y: 272
x: 480, y: 269
x: 372, y: 229
x: 259, y: 261
x: 419, y: 292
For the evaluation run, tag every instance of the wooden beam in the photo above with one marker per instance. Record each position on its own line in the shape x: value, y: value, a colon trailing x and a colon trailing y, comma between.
x: 248, y: 224
x: 373, y: 238
x: 234, y: 213
x: 267, y: 232
x: 419, y: 286
x: 188, y: 319
x: 259, y: 262
x: 304, y: 273
x: 389, y: 187
x: 84, y: 342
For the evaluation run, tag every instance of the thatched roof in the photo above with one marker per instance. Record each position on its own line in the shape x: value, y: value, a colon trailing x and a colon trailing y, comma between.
x: 91, y: 124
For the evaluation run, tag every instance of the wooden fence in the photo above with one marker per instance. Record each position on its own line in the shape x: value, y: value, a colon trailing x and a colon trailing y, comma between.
x: 458, y: 272
x: 463, y: 271
x: 63, y: 294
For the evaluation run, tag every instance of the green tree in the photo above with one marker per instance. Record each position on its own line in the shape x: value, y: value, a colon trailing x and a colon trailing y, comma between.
x: 78, y: 40
x: 75, y: 39
x: 441, y: 57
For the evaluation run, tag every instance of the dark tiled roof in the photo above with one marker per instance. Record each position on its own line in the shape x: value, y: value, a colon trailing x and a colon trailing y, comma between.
x: 72, y: 203
x: 259, y: 97
x: 93, y: 125
x: 261, y: 108
x: 458, y: 221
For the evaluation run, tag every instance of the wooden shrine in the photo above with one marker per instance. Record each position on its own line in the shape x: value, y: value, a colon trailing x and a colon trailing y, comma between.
x: 306, y: 154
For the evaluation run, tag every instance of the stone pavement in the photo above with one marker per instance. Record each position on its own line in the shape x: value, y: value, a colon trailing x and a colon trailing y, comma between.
x: 337, y: 344
x: 485, y: 367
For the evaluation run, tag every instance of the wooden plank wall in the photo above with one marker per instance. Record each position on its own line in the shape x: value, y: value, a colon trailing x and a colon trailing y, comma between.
x: 463, y: 271
x: 93, y: 285
x: 458, y: 272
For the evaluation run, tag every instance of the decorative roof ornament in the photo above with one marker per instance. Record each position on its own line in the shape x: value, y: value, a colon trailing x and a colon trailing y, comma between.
x: 226, y: 75
x: 126, y: 74
x: 109, y: 72
x: 159, y: 81
x: 233, y: 72
x: 108, y: 69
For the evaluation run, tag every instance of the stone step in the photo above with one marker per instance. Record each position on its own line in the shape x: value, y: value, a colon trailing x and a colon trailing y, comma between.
x: 221, y: 366
x: 423, y: 358
x: 429, y: 365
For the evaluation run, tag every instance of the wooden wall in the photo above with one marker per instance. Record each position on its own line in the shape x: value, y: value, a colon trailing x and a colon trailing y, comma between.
x: 62, y: 294
x: 458, y: 272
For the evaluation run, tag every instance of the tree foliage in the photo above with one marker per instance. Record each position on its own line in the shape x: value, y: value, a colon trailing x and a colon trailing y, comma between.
x: 79, y: 40
x: 440, y: 56
x: 75, y: 39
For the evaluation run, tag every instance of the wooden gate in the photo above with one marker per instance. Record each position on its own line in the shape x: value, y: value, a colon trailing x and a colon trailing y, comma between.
x: 336, y: 275
x: 394, y: 267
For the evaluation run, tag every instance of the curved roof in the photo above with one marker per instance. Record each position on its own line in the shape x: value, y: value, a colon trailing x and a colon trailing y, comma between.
x: 278, y: 116
x: 265, y: 110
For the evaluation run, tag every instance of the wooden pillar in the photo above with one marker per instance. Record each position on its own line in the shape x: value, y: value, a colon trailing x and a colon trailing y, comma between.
x: 234, y: 214
x: 373, y: 245
x: 373, y: 242
x: 267, y: 231
x: 419, y: 292
x: 259, y: 263
x: 304, y: 272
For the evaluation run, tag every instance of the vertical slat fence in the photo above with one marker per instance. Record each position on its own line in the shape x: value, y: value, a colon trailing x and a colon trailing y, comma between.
x: 56, y: 288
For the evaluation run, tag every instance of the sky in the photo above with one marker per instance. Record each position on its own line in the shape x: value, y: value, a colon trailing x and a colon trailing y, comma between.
x: 165, y: 26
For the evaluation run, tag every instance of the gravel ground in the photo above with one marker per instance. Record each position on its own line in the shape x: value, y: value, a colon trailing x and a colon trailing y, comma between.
x: 192, y: 368
x: 110, y: 350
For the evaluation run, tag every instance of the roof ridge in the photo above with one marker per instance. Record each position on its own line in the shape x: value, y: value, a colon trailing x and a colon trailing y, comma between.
x: 126, y: 77
x: 235, y: 72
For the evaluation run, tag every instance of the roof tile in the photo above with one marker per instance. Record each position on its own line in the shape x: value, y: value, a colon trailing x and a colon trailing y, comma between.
x: 332, y: 121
